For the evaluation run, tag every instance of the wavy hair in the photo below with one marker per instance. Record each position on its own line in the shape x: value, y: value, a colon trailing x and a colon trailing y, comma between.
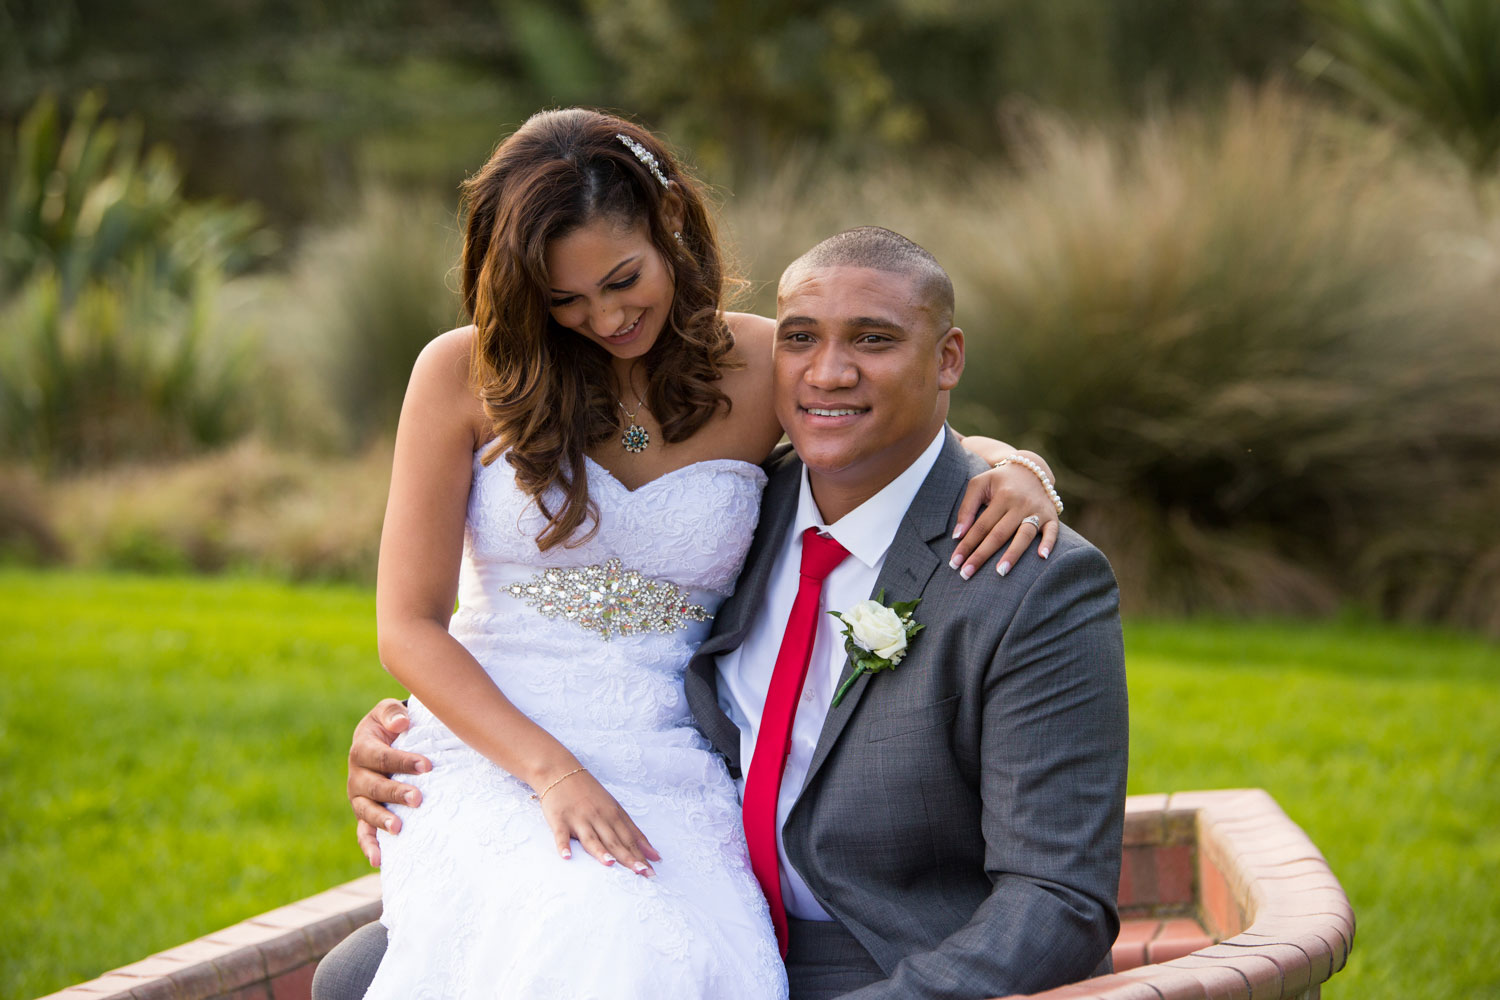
x: 547, y: 390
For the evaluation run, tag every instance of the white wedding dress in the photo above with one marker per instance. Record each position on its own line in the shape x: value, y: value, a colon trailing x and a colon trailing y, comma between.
x: 477, y: 901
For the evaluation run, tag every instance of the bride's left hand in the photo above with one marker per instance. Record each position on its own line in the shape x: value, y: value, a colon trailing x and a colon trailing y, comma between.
x: 1007, y: 495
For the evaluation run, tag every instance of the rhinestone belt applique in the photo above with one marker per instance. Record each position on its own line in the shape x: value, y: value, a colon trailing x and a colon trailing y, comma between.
x: 609, y: 599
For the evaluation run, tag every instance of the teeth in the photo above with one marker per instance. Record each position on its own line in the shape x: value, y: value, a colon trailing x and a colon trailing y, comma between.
x: 621, y: 333
x: 831, y: 413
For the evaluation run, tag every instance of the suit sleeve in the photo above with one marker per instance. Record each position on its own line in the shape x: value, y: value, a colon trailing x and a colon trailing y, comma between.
x: 1054, y: 748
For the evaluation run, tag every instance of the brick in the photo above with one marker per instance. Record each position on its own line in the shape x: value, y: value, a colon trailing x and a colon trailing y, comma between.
x: 294, y: 985
x: 196, y: 980
x: 110, y: 985
x: 288, y: 917
x: 239, y: 935
x: 155, y: 965
x: 364, y: 888
x: 285, y: 952
x: 1145, y: 820
x: 1220, y: 982
x: 1138, y: 877
x: 322, y: 935
x: 1220, y: 909
x: 254, y: 991
x: 1129, y: 950
x: 1296, y: 970
x: 156, y: 989
x: 195, y: 951
x: 1172, y: 984
x: 1260, y: 974
x: 1174, y: 874
x: 1175, y: 939
x: 240, y: 967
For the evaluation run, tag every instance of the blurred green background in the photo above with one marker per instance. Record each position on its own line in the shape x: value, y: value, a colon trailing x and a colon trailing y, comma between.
x: 1232, y: 267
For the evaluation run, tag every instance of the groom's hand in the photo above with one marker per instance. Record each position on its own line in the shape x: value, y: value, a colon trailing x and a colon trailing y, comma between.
x: 372, y: 761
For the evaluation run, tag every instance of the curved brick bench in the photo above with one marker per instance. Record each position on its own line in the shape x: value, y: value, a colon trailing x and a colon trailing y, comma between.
x: 1222, y: 897
x: 1199, y: 868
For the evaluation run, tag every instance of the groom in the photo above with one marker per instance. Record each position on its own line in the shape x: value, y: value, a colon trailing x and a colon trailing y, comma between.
x: 950, y: 827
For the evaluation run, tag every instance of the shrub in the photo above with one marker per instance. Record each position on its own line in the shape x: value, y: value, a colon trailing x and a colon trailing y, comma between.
x: 86, y: 202
x: 1431, y: 64
x: 124, y: 370
x: 1258, y: 346
x: 110, y: 345
x: 369, y: 293
x: 250, y: 508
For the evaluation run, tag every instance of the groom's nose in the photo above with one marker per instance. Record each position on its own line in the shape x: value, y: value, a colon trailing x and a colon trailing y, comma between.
x: 831, y: 367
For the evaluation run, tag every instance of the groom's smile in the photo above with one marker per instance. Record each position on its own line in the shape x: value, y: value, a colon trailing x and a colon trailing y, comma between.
x: 862, y: 362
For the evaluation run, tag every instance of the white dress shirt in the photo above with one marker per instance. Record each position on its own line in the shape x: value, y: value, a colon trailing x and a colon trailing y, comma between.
x: 745, y: 672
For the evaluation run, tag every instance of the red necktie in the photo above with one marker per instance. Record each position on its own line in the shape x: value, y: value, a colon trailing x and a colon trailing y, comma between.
x: 820, y: 555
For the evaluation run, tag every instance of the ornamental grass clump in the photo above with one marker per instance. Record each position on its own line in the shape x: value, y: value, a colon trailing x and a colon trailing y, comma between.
x: 1258, y: 346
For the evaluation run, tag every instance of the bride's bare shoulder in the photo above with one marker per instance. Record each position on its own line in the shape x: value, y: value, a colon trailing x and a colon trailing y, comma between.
x: 441, y: 378
x: 753, y: 336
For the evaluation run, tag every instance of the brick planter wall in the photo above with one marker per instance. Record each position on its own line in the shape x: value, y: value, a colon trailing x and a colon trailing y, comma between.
x: 1222, y: 897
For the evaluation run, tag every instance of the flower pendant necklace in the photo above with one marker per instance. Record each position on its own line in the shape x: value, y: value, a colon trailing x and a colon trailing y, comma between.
x: 635, y: 438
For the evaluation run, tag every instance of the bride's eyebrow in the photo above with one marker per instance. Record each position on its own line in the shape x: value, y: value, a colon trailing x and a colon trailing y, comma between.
x: 607, y: 278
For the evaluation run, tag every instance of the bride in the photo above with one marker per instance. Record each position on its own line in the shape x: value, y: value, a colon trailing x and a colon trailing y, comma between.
x: 580, y: 469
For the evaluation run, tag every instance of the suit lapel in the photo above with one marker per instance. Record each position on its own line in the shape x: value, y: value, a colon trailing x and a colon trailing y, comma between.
x: 908, y: 567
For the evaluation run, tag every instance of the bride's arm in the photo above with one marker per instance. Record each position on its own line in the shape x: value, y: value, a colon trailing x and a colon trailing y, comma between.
x: 420, y: 548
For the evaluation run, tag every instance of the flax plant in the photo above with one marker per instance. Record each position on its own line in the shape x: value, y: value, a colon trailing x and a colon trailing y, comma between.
x: 1257, y: 344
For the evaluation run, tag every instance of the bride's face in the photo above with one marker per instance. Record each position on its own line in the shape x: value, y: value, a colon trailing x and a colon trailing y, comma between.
x: 608, y: 283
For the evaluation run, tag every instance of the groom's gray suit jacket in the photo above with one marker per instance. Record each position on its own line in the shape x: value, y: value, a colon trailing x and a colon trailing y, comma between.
x: 962, y: 815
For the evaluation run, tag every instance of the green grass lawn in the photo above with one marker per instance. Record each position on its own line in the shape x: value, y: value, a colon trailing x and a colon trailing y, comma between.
x: 171, y: 762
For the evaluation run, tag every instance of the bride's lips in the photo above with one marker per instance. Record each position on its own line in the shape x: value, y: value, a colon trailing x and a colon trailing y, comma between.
x: 629, y: 333
x: 831, y: 414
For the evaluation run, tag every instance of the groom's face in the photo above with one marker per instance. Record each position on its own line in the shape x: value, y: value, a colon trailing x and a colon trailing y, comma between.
x: 863, y: 361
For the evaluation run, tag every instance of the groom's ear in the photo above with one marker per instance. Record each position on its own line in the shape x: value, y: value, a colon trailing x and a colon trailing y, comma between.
x: 950, y: 358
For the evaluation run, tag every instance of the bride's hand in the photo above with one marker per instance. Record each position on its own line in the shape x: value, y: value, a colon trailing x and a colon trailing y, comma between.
x: 577, y: 807
x: 1008, y: 495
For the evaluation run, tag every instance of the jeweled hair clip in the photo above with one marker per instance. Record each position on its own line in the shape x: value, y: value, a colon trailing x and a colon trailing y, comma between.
x: 644, y: 155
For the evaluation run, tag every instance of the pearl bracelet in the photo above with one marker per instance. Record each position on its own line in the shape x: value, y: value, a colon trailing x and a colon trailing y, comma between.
x: 1022, y: 460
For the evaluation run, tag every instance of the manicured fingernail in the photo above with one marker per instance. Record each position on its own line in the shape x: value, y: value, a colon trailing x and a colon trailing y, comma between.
x: 1044, y: 552
x: 567, y: 855
x: 411, y: 797
x: 953, y: 563
x: 1004, y: 567
x: 959, y: 529
x: 966, y: 572
x: 422, y: 767
x: 641, y: 868
x: 608, y: 859
x: 390, y: 824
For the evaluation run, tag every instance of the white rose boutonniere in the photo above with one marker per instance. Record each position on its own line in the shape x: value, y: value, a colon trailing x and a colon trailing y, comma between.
x: 876, y: 636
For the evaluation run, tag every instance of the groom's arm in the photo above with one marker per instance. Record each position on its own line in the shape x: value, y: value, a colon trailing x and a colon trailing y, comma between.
x: 1054, y: 753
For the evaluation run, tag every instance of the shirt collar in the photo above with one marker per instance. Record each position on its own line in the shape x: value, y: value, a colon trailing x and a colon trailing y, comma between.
x: 868, y: 530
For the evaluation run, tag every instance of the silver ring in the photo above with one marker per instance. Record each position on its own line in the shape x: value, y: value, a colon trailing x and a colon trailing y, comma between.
x: 1034, y: 520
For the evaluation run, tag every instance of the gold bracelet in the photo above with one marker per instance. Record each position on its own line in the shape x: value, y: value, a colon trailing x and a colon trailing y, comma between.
x: 543, y: 793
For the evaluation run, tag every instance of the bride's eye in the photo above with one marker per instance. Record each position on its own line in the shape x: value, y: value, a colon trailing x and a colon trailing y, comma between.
x: 620, y: 286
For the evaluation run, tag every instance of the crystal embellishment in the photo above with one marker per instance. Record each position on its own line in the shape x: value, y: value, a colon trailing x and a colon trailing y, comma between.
x: 635, y: 440
x: 609, y: 599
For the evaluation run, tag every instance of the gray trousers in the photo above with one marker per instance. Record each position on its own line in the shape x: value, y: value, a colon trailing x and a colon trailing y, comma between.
x: 823, y: 961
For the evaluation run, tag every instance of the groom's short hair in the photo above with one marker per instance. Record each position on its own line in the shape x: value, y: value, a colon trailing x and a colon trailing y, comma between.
x: 883, y: 250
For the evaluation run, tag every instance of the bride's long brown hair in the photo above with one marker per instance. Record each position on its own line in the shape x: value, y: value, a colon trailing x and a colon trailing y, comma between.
x: 548, y: 391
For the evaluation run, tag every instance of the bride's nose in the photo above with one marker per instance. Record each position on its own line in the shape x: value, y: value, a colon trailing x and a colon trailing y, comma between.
x: 605, y: 317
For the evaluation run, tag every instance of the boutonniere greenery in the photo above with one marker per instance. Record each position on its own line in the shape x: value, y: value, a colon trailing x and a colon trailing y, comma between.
x: 876, y: 636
